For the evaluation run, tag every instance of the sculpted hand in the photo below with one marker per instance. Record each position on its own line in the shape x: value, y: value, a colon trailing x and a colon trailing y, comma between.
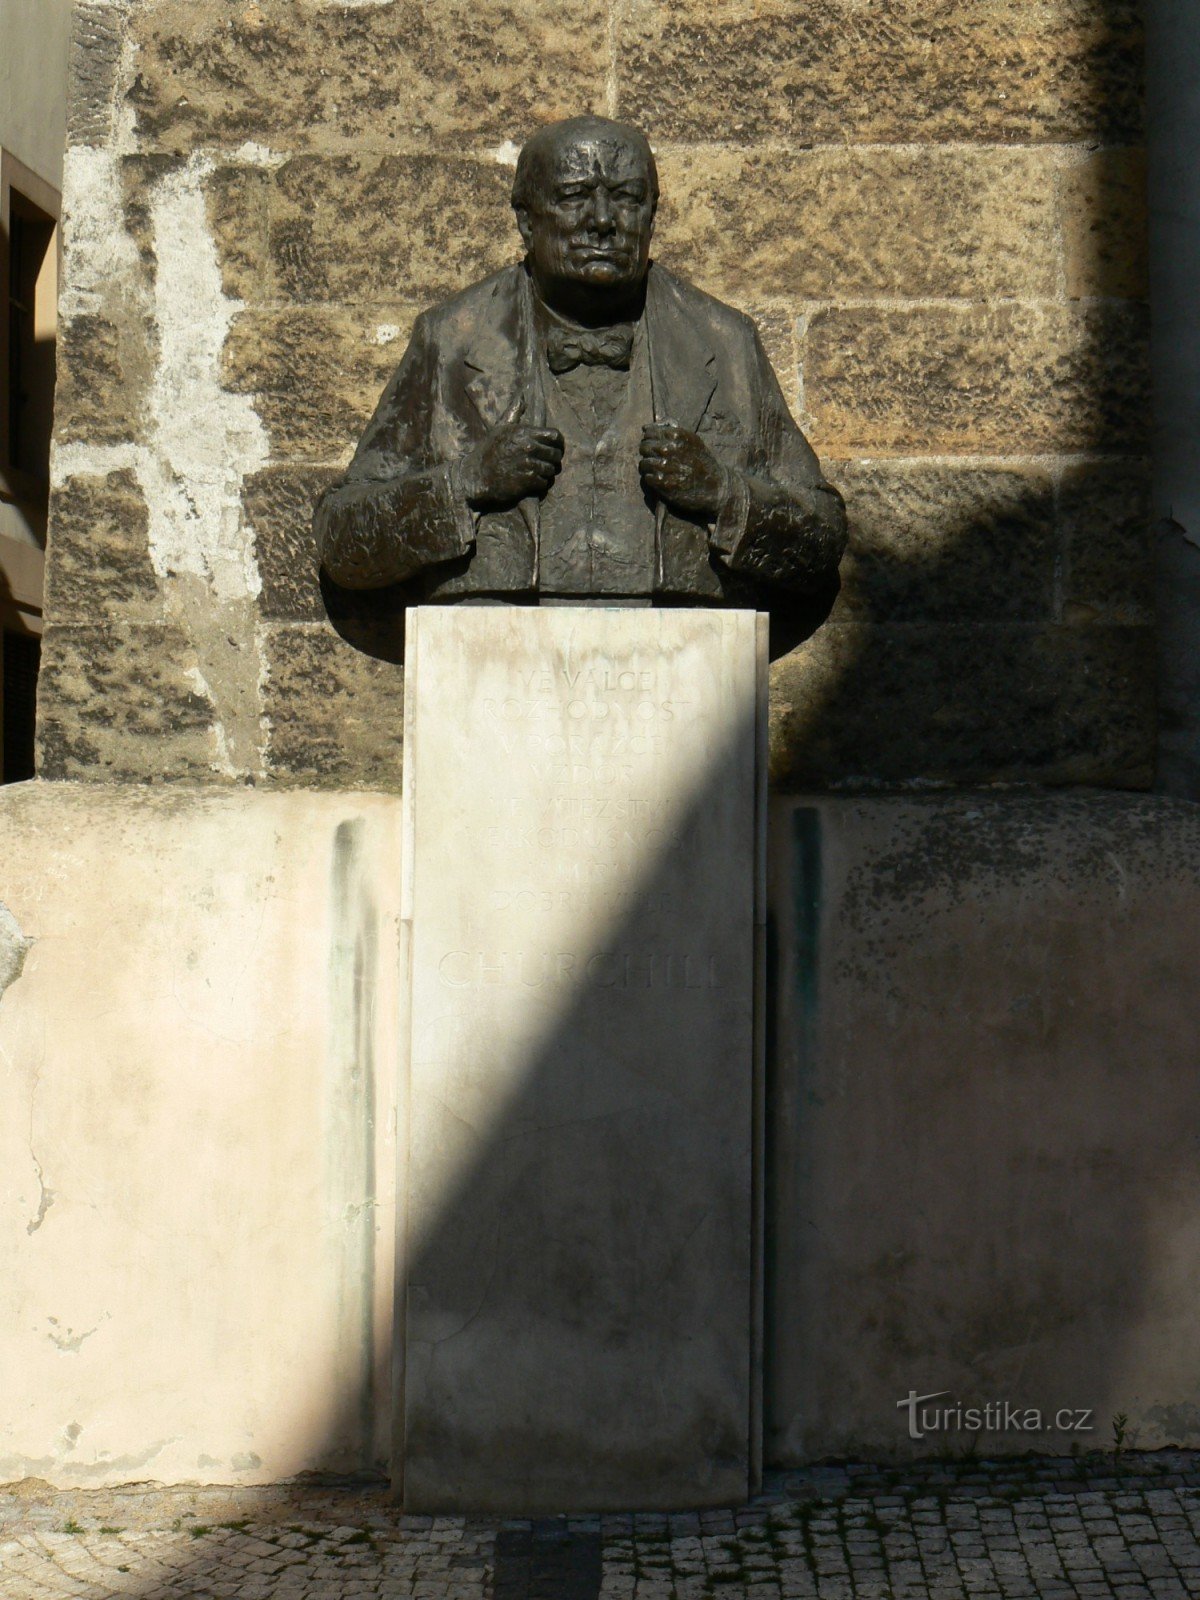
x: 680, y: 468
x: 511, y: 461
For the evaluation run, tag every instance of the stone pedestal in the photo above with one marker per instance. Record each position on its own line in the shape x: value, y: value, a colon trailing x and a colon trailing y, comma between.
x: 583, y: 910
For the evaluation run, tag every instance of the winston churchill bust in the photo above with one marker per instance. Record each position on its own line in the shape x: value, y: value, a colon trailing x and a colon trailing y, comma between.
x: 584, y: 425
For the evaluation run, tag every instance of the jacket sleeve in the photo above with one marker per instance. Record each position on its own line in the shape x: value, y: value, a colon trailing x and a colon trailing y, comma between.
x: 781, y: 522
x: 397, y: 510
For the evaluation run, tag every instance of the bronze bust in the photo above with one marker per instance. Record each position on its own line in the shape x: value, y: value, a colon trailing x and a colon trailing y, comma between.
x: 584, y: 425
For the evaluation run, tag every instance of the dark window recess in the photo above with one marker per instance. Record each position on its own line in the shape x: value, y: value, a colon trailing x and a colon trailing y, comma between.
x: 30, y: 358
x: 22, y: 656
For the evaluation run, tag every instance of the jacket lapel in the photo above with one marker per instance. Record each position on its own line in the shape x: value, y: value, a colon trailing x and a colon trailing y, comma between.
x: 494, y: 357
x: 682, y: 362
x: 683, y: 377
x: 499, y: 366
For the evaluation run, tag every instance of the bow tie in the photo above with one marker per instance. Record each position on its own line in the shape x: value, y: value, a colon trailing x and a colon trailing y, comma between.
x: 569, y: 347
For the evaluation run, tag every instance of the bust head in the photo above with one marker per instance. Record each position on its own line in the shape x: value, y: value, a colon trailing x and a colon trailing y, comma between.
x: 585, y: 196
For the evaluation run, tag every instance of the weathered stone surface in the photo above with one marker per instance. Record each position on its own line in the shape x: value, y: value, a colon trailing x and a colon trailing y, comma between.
x: 932, y: 542
x: 777, y: 328
x: 736, y: 72
x: 279, y: 507
x: 121, y: 703
x: 833, y: 224
x: 334, y: 716
x: 1009, y: 379
x: 140, y: 175
x: 580, y: 890
x: 435, y: 225
x: 1108, y: 550
x: 236, y: 203
x: 96, y: 38
x: 98, y: 564
x: 935, y: 154
x: 1108, y: 678
x: 984, y: 1107
x: 315, y: 374
x: 236, y: 199
x: 298, y: 73
x: 863, y: 705
x: 104, y: 372
x: 1105, y: 226
x: 197, y: 1157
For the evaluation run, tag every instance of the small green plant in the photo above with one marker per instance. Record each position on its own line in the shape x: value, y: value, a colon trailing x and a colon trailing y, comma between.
x: 112, y: 1530
x: 71, y: 1526
x: 199, y: 1530
x: 239, y: 1526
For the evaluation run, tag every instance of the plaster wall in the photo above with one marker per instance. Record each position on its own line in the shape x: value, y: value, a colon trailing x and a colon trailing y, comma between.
x: 33, y: 129
x: 985, y: 1120
x: 983, y: 1113
x: 198, y: 1055
x: 33, y: 84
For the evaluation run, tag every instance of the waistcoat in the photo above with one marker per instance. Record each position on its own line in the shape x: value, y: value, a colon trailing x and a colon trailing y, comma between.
x: 597, y: 529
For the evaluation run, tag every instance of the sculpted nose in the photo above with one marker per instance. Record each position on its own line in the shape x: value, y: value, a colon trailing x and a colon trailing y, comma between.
x: 602, y: 213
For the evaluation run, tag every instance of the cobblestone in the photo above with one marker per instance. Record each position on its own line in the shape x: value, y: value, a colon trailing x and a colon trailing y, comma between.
x: 1030, y: 1529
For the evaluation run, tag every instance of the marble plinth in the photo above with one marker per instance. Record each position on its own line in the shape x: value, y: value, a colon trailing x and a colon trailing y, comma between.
x: 582, y: 907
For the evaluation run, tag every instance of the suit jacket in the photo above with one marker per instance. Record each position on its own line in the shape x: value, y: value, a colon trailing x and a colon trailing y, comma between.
x: 399, y: 514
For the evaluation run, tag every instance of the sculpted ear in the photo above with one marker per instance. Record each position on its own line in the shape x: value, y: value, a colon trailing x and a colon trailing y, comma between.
x: 524, y: 226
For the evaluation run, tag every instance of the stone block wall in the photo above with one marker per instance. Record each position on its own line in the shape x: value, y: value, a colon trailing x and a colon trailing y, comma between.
x: 935, y: 210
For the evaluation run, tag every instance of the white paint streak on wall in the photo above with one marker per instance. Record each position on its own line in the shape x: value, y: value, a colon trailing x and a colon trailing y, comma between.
x: 199, y: 441
x: 203, y: 440
x: 252, y: 154
x: 100, y: 255
x: 505, y: 155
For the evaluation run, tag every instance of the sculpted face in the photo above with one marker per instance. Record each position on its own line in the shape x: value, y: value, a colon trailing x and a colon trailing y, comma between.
x: 587, y: 214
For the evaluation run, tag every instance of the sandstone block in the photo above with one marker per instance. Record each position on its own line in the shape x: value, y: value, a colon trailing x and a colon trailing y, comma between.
x: 236, y: 206
x: 942, y: 543
x: 96, y: 38
x: 98, y: 563
x: 776, y: 325
x: 334, y: 716
x: 1108, y: 678
x: 956, y: 704
x: 435, y: 225
x: 1105, y: 225
x: 316, y: 374
x: 1009, y: 379
x: 104, y: 372
x: 279, y: 504
x: 832, y: 224
x: 1108, y: 544
x: 120, y: 703
x: 301, y: 73
x: 236, y: 200
x: 845, y: 72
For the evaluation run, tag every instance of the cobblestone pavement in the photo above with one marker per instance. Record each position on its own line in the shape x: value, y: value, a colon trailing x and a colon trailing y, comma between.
x: 1055, y: 1529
